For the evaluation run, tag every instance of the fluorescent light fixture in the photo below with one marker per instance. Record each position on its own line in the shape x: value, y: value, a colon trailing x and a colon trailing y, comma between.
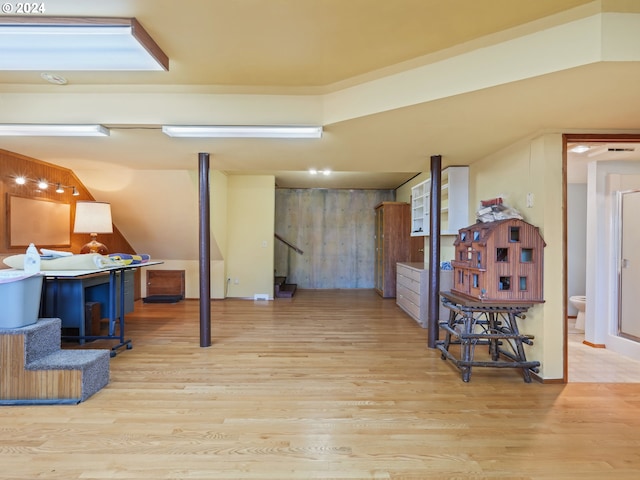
x: 242, y: 131
x: 52, y: 130
x: 77, y: 43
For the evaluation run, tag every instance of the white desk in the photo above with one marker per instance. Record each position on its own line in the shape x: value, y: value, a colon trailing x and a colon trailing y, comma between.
x: 65, y: 293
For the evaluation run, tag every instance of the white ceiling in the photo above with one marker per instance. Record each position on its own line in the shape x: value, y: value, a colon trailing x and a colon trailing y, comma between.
x: 327, y: 60
x: 577, y: 162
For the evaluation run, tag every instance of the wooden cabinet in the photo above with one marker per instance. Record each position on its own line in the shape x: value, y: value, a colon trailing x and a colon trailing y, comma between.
x: 165, y: 282
x: 416, y: 249
x: 454, y: 206
x: 412, y: 291
x: 391, y: 244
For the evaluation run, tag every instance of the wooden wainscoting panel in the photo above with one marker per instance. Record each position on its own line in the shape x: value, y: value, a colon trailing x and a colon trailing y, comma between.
x: 16, y: 382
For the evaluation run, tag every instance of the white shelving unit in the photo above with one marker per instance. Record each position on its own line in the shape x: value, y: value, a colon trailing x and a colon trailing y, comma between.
x: 420, y: 209
x: 454, y: 207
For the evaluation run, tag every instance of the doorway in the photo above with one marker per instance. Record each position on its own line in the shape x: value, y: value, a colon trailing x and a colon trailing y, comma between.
x: 587, y: 363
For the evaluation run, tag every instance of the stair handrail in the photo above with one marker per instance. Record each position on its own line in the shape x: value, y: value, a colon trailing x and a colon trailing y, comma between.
x: 290, y: 245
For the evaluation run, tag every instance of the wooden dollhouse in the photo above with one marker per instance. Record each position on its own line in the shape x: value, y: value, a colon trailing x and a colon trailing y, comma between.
x: 499, y: 261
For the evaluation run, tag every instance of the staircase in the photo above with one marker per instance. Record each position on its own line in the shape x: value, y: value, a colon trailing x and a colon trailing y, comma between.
x: 284, y: 289
x: 34, y: 370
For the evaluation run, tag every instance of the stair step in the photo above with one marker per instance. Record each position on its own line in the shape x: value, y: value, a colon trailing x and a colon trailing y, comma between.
x: 93, y: 365
x: 34, y: 370
x: 282, y: 288
x: 70, y: 359
x: 41, y: 339
x: 286, y: 290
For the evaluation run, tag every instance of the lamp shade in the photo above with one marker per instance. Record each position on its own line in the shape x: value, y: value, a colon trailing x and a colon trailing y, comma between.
x: 93, y: 217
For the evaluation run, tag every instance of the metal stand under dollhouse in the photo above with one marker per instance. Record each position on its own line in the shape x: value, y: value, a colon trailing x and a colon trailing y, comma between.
x: 497, y: 278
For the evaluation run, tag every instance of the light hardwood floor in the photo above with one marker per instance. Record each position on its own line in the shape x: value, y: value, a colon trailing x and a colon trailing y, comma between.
x: 327, y: 385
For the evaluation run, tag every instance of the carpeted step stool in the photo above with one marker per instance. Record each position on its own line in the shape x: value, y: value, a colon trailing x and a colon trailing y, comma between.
x: 34, y: 370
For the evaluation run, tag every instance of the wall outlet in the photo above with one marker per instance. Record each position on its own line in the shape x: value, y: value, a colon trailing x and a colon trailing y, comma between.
x: 529, y: 200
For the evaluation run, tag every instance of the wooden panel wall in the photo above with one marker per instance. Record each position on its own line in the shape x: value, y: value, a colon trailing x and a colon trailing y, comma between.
x: 335, y: 229
x: 13, y: 165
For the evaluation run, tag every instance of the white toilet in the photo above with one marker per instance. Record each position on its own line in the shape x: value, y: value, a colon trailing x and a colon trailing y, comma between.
x: 580, y: 302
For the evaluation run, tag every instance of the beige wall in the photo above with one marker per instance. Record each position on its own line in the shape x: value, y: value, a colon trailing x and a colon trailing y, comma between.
x: 250, y: 230
x: 531, y: 167
x: 535, y: 167
x: 157, y: 211
x: 160, y: 215
x: 218, y: 183
x: 248, y: 200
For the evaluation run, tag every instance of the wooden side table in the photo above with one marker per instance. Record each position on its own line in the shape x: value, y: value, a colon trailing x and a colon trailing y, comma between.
x: 472, y: 323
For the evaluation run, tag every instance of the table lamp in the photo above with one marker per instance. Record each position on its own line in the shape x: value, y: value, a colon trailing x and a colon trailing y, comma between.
x: 93, y: 218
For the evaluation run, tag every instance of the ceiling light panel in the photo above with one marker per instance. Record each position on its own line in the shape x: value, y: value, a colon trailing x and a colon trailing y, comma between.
x: 242, y: 131
x: 91, y: 44
x: 43, y: 130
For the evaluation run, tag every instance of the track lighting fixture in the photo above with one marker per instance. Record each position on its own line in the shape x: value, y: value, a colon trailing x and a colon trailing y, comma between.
x: 43, y: 184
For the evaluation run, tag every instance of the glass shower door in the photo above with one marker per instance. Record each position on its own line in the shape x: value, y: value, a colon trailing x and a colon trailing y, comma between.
x: 629, y: 271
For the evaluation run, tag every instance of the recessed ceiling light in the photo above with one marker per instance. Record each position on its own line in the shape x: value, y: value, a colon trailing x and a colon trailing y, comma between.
x: 54, y: 78
x: 326, y: 172
x: 580, y: 149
